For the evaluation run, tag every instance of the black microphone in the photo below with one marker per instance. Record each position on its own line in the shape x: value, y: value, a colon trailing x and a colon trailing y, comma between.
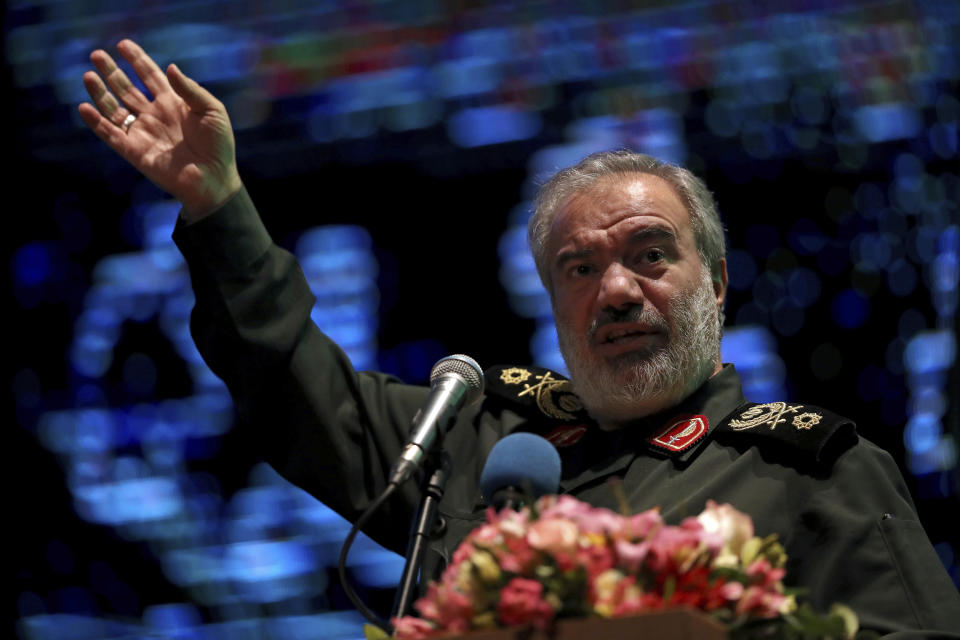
x: 520, y: 466
x: 455, y: 382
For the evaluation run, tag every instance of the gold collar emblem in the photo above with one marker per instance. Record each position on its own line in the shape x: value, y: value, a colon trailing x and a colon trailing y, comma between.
x: 514, y: 375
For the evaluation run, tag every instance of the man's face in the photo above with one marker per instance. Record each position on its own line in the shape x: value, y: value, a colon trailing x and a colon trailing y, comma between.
x: 636, y: 310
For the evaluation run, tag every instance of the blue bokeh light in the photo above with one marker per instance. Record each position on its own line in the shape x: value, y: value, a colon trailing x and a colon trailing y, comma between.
x: 850, y: 309
x: 481, y: 126
x: 32, y: 264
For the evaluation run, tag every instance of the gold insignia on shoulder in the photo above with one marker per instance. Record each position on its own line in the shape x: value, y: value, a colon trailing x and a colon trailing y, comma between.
x: 806, y: 420
x: 554, y: 397
x: 770, y: 413
x: 514, y: 375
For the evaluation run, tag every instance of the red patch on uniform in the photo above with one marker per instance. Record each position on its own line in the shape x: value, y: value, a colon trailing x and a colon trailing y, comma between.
x: 682, y: 432
x: 566, y: 436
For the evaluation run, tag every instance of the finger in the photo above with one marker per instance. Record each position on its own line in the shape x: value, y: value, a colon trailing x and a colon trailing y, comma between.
x: 196, y: 97
x: 105, y: 130
x: 147, y: 70
x: 106, y: 104
x: 118, y: 81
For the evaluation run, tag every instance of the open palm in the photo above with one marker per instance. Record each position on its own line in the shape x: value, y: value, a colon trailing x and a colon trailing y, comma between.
x: 181, y: 140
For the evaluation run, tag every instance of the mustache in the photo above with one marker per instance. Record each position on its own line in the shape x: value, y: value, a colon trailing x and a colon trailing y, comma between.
x: 644, y: 315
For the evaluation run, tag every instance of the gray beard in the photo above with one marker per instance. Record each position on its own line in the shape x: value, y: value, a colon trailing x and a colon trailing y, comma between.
x: 643, y: 382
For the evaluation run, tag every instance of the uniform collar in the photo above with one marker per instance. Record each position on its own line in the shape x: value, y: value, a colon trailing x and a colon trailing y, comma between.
x: 681, y: 431
x: 678, y: 433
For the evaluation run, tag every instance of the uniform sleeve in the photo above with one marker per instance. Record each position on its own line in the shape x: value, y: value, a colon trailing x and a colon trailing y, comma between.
x: 859, y: 542
x: 326, y: 428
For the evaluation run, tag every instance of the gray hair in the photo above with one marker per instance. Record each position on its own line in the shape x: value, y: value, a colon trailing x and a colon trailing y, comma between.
x: 693, y: 192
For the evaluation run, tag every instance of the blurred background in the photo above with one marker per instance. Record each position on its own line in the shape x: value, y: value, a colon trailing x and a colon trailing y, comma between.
x: 394, y: 145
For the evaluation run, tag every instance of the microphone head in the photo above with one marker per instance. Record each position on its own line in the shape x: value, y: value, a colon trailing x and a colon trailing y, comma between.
x: 465, y: 368
x: 522, y: 460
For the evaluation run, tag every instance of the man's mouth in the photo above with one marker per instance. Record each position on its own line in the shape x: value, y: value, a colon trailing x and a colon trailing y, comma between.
x: 622, y: 334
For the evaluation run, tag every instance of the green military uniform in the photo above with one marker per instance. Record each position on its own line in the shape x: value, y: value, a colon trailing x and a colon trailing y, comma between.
x: 838, y: 502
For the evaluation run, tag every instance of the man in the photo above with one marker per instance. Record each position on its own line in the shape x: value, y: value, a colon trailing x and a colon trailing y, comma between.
x: 631, y: 252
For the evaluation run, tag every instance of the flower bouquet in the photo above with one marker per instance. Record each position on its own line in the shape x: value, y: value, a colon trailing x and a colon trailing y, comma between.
x: 562, y: 558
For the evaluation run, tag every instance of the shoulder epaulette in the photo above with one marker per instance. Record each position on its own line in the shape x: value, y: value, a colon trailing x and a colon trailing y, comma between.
x: 542, y: 395
x: 536, y: 390
x: 813, y: 432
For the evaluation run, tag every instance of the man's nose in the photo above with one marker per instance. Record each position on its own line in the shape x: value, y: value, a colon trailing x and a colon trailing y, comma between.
x: 619, y: 288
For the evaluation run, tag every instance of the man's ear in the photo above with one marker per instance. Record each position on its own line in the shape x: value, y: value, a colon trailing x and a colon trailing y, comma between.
x: 720, y: 284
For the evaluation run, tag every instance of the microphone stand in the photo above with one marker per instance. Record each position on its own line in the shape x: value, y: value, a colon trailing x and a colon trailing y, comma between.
x: 431, y: 492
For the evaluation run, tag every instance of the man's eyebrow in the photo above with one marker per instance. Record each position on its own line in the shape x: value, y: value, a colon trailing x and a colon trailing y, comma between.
x: 571, y: 255
x: 653, y: 233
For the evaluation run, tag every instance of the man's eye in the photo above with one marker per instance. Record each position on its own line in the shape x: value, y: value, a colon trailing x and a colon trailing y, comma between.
x: 653, y: 255
x: 582, y: 270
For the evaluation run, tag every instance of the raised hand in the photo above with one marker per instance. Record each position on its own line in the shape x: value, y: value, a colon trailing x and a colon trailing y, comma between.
x: 181, y: 140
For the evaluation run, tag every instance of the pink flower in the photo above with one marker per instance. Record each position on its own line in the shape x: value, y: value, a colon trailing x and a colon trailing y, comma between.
x: 563, y: 506
x: 595, y: 559
x: 512, y: 524
x: 451, y: 574
x: 645, y: 523
x: 709, y: 540
x: 486, y: 535
x: 763, y: 603
x: 445, y: 605
x: 673, y: 549
x: 731, y: 591
x: 412, y: 628
x: 463, y: 553
x: 588, y: 519
x: 630, y: 555
x: 553, y: 535
x: 521, y: 603
x: 762, y: 573
x: 606, y: 522
x: 517, y: 556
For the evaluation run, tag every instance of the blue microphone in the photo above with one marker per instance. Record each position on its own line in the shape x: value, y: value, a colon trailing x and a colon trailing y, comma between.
x: 521, y: 466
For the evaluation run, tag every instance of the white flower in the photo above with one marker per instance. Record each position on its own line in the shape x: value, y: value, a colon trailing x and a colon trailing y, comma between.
x: 735, y: 527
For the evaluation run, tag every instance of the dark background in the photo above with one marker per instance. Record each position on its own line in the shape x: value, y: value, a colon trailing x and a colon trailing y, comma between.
x: 436, y: 210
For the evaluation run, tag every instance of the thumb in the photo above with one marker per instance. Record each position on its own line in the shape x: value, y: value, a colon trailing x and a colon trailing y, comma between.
x: 196, y: 97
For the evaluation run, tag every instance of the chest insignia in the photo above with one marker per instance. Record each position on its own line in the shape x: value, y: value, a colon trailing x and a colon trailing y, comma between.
x: 681, y: 433
x: 772, y: 414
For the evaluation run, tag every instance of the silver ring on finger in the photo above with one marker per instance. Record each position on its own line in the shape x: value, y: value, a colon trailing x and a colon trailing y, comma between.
x: 129, y: 120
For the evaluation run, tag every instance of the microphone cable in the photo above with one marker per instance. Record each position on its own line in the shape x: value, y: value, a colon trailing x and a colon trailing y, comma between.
x: 361, y: 606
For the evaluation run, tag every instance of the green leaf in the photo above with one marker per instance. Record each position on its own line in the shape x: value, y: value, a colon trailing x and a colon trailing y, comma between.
x: 808, y: 624
x: 750, y: 550
x: 850, y: 622
x: 372, y: 632
x: 616, y: 486
x: 731, y: 574
x: 669, y: 586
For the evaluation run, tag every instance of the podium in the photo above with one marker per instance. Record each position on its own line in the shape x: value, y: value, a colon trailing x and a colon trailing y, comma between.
x: 674, y: 624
